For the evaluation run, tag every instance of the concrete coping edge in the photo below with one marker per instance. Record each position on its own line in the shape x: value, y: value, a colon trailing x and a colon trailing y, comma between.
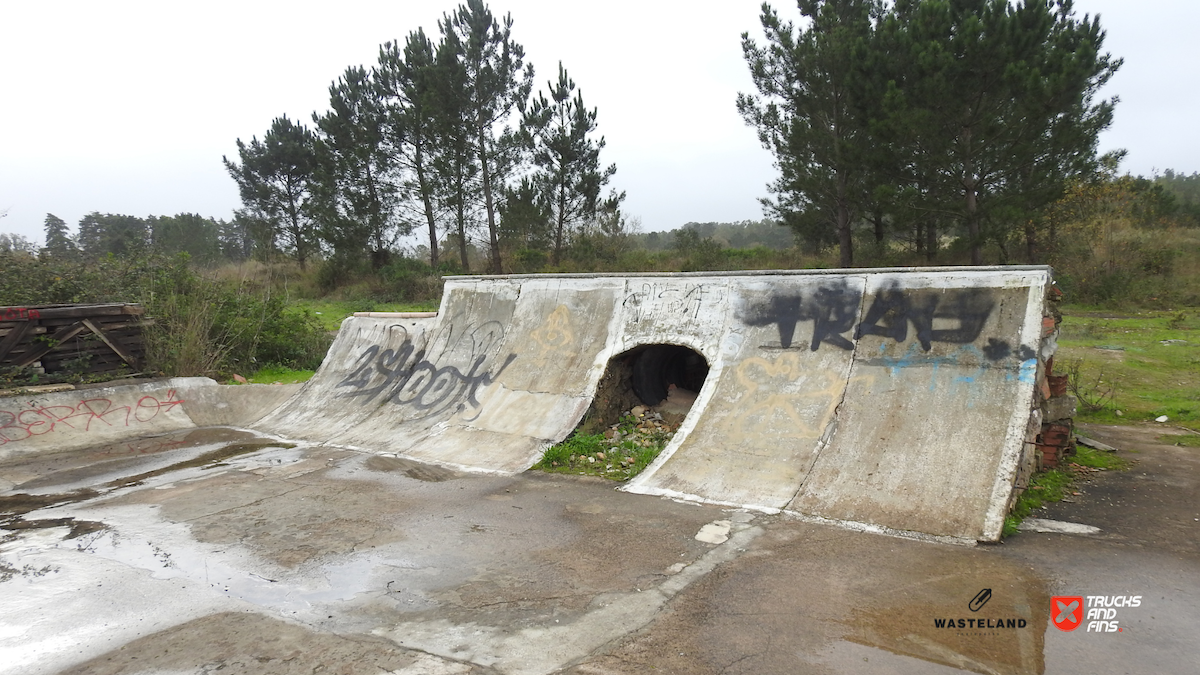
x: 397, y: 315
x: 764, y: 273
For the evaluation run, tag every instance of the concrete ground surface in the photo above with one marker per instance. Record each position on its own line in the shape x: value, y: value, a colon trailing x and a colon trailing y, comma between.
x: 223, y: 550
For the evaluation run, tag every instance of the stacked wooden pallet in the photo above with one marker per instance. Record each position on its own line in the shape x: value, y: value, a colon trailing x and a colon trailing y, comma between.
x: 85, y: 339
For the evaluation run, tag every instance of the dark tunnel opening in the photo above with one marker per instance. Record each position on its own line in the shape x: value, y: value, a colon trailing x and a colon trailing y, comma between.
x: 655, y: 368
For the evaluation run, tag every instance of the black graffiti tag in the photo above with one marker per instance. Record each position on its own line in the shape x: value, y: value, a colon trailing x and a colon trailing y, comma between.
x: 405, y: 377
x: 832, y: 309
x: 892, y: 310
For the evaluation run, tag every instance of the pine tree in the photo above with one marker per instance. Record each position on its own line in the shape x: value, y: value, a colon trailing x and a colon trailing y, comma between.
x: 356, y: 187
x: 275, y: 180
x: 991, y: 107
x: 496, y: 83
x: 812, y: 112
x: 408, y: 80
x: 568, y: 178
x: 58, y: 238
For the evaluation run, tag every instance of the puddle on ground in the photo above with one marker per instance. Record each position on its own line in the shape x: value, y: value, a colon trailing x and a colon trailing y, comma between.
x: 225, y: 571
x: 58, y: 472
x: 77, y: 528
x: 19, y: 504
x: 207, y: 460
x: 416, y: 470
x: 166, y: 454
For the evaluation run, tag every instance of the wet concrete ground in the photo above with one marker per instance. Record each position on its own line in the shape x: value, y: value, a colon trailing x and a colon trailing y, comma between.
x: 221, y: 550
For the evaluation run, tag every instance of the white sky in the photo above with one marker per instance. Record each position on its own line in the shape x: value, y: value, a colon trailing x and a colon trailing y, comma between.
x: 127, y: 107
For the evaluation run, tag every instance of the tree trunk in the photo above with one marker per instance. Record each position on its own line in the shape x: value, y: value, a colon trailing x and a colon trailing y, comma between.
x: 559, y: 221
x: 845, y: 241
x: 462, y: 234
x: 493, y: 240
x: 1030, y: 242
x: 427, y: 204
x: 973, y: 225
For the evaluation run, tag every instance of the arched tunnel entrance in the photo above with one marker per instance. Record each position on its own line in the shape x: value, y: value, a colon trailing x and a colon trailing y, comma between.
x: 662, y: 377
x: 659, y: 370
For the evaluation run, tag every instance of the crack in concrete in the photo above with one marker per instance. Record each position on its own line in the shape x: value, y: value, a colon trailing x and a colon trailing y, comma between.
x: 827, y: 435
x: 256, y: 502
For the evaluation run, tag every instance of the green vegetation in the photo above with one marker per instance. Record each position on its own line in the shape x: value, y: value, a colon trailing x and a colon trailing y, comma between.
x: 1143, y: 364
x: 280, y: 375
x: 1186, y: 440
x: 1057, y: 484
x: 1044, y: 488
x: 331, y: 313
x: 619, y: 454
x: 1098, y: 459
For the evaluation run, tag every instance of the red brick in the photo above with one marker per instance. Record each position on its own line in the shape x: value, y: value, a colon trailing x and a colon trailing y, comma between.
x: 1058, y: 384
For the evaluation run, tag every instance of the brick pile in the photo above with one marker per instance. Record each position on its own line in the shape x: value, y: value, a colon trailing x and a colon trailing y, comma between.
x: 1050, y: 436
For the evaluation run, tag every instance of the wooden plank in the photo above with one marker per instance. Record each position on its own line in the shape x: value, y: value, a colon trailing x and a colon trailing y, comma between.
x: 29, y: 357
x: 113, y: 344
x: 83, y: 311
x: 14, y: 336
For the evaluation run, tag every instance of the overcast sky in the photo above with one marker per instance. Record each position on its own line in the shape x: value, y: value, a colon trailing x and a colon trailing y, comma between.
x: 127, y: 107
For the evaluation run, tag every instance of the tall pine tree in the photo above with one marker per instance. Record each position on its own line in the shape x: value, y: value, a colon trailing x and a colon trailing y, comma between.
x: 496, y: 83
x: 568, y: 177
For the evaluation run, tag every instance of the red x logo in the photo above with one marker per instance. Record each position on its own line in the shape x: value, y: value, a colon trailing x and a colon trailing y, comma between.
x: 1066, y: 611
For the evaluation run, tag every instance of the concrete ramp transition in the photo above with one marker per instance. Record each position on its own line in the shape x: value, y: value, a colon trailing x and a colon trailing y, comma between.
x: 895, y: 400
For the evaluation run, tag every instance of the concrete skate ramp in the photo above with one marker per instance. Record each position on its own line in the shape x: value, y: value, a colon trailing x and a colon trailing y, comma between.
x: 895, y: 399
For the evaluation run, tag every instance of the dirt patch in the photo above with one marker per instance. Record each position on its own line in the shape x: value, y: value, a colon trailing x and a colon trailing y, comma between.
x: 614, y: 396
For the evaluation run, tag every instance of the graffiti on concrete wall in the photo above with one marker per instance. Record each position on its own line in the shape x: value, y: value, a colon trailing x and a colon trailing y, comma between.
x: 772, y: 404
x: 404, y: 376
x: 84, y: 416
x: 658, y: 301
x: 953, y: 316
x: 555, y: 335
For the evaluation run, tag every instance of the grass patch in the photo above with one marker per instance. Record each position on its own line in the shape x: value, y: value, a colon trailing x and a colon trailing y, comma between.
x: 1099, y: 459
x: 1044, y: 488
x: 280, y: 375
x: 1054, y: 485
x: 1149, y: 359
x: 618, y: 454
x: 331, y: 313
x: 1185, y: 440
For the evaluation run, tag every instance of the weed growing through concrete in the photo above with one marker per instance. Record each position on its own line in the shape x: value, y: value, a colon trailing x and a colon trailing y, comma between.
x: 620, y: 453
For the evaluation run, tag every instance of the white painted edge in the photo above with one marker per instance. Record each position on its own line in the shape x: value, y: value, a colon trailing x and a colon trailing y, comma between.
x: 1014, y: 440
x: 396, y: 315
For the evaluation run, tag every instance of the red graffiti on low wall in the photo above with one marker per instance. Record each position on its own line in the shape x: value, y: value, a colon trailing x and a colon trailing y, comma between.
x: 88, y: 414
x: 19, y: 314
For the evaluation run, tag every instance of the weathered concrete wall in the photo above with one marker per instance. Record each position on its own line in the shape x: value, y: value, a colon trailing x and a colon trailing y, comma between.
x: 82, y: 418
x: 895, y: 399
